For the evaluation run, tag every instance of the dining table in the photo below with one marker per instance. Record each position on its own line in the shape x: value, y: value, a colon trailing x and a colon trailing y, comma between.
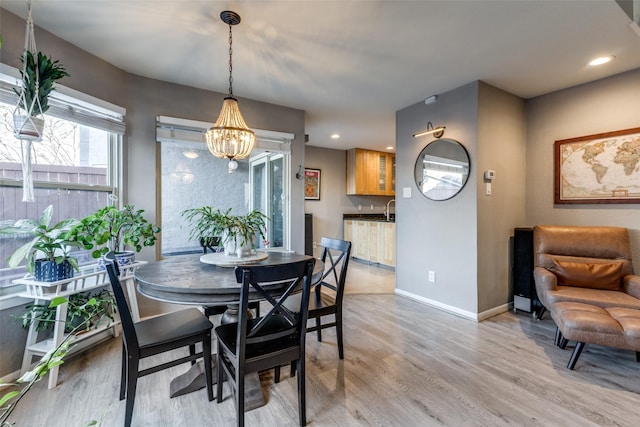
x: 210, y: 280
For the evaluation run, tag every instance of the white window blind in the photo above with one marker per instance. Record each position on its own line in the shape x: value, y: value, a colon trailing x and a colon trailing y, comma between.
x: 69, y: 104
x: 172, y: 129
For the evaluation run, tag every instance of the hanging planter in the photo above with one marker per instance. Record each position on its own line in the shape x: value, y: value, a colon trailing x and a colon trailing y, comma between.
x: 39, y: 73
x: 28, y: 127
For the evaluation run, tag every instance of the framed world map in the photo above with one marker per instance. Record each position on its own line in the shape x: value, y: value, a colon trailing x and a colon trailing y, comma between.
x: 601, y: 168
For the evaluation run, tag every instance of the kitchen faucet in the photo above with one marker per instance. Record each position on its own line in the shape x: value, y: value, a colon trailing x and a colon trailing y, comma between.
x: 387, y: 212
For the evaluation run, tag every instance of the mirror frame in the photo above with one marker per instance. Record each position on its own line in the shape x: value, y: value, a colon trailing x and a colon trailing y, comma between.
x: 418, y: 170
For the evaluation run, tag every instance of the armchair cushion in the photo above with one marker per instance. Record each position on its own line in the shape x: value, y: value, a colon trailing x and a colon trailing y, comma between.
x: 600, y: 274
x: 588, y: 265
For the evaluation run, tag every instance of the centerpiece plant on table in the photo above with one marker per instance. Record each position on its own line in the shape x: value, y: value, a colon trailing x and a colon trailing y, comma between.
x: 237, y: 233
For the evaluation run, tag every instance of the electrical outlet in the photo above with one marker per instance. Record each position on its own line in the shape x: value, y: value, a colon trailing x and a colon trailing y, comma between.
x: 432, y: 276
x: 359, y: 208
x: 315, y: 245
x: 371, y: 207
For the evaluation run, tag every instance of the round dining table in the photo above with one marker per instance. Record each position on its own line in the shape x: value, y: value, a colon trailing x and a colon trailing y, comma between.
x: 185, y: 279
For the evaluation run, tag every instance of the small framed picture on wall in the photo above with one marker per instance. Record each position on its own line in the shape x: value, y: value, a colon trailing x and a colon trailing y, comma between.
x: 312, y: 184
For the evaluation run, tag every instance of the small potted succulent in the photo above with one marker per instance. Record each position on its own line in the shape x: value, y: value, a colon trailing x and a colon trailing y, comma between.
x: 237, y: 232
x: 47, y: 254
x: 39, y: 74
x: 113, y: 229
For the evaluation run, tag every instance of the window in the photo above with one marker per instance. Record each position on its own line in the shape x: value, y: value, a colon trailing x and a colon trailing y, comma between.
x: 75, y: 166
x: 269, y: 194
x: 192, y: 177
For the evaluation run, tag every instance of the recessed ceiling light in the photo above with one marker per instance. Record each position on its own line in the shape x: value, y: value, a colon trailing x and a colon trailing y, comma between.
x: 190, y: 154
x: 335, y: 136
x: 601, y: 60
x: 389, y: 148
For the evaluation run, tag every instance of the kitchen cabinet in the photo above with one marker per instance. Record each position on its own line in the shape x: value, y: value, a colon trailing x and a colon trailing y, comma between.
x: 371, y: 173
x: 373, y: 241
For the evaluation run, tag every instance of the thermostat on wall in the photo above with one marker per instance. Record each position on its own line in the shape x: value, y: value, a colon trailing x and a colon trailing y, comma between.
x: 489, y: 174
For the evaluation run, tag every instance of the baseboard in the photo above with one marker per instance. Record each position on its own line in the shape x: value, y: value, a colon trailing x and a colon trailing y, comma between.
x: 476, y: 317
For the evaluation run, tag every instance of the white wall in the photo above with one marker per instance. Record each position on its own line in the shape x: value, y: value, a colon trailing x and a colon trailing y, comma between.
x: 602, y: 106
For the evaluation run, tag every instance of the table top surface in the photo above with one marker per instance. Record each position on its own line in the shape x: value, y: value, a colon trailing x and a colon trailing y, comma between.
x: 184, y: 279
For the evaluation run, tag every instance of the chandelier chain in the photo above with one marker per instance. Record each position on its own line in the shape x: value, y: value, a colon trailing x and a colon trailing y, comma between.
x: 230, y: 62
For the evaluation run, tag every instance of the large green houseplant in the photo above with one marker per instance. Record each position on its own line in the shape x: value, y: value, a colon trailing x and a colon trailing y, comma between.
x: 47, y: 253
x: 79, y: 312
x: 113, y: 229
x: 38, y: 75
x: 237, y: 232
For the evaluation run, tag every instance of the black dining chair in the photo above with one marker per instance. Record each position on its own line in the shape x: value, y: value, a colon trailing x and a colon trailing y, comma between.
x: 335, y: 255
x: 213, y: 244
x: 277, y: 338
x: 157, y: 335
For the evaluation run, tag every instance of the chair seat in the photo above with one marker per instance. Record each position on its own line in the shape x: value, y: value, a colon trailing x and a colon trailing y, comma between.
x: 598, y: 297
x: 227, y: 335
x: 326, y: 303
x: 162, y: 329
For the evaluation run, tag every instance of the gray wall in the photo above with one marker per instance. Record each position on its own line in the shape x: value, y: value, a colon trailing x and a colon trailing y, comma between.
x: 144, y: 99
x: 502, y: 148
x: 605, y: 105
x: 466, y: 240
x: 441, y: 236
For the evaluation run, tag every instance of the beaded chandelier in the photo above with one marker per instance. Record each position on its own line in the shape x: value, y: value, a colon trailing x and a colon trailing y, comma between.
x: 230, y: 137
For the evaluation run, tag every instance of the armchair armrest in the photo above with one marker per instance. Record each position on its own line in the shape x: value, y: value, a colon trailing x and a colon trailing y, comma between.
x: 545, y: 282
x: 631, y: 285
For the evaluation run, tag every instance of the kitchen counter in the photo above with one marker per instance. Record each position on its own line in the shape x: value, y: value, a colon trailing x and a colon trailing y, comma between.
x: 369, y: 217
x: 373, y: 238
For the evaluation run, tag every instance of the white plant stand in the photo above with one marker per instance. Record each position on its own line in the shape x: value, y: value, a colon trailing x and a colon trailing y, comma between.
x: 90, y: 278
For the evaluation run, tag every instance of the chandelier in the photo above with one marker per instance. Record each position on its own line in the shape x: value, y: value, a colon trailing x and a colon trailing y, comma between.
x: 230, y: 137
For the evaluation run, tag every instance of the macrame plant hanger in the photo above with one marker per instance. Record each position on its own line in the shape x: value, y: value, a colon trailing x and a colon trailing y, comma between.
x: 28, y: 122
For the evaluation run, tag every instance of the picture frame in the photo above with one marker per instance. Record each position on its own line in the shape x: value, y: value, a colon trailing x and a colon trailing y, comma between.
x: 598, y: 169
x: 312, y: 184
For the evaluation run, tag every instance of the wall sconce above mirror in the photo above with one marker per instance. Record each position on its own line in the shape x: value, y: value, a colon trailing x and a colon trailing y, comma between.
x: 436, y: 132
x: 442, y: 169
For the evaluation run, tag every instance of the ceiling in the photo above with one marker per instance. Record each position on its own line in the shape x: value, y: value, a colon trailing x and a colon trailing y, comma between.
x: 350, y: 64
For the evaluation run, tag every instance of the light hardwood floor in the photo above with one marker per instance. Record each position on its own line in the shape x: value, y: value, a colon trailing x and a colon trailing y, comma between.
x: 405, y: 364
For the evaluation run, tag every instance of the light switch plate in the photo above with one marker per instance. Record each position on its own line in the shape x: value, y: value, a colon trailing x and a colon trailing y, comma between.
x: 406, y: 192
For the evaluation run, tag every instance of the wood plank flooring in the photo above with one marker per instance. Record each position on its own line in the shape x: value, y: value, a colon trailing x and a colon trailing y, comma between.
x: 405, y: 365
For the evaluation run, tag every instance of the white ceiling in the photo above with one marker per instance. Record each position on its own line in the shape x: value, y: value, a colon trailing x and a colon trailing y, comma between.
x: 350, y: 64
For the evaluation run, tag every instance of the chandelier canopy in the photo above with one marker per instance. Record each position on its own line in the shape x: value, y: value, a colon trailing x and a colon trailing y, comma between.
x: 230, y: 137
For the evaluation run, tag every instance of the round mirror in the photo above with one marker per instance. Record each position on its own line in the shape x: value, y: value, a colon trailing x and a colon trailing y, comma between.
x: 442, y: 169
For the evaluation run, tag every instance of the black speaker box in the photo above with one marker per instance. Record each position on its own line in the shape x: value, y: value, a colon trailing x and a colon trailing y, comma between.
x: 524, y: 289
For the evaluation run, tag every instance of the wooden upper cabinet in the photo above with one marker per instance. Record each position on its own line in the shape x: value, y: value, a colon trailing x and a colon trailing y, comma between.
x: 370, y: 173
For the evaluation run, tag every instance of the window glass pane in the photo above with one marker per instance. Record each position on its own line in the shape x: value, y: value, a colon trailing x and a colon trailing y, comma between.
x: 68, y: 161
x: 277, y: 198
x: 191, y: 178
x: 68, y: 152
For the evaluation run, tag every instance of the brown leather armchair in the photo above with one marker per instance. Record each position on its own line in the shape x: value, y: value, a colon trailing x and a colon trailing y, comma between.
x: 590, y: 265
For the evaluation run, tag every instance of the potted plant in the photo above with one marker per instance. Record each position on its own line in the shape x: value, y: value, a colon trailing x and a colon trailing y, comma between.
x: 237, y: 232
x: 38, y: 75
x: 47, y: 254
x: 113, y: 229
x: 81, y: 315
